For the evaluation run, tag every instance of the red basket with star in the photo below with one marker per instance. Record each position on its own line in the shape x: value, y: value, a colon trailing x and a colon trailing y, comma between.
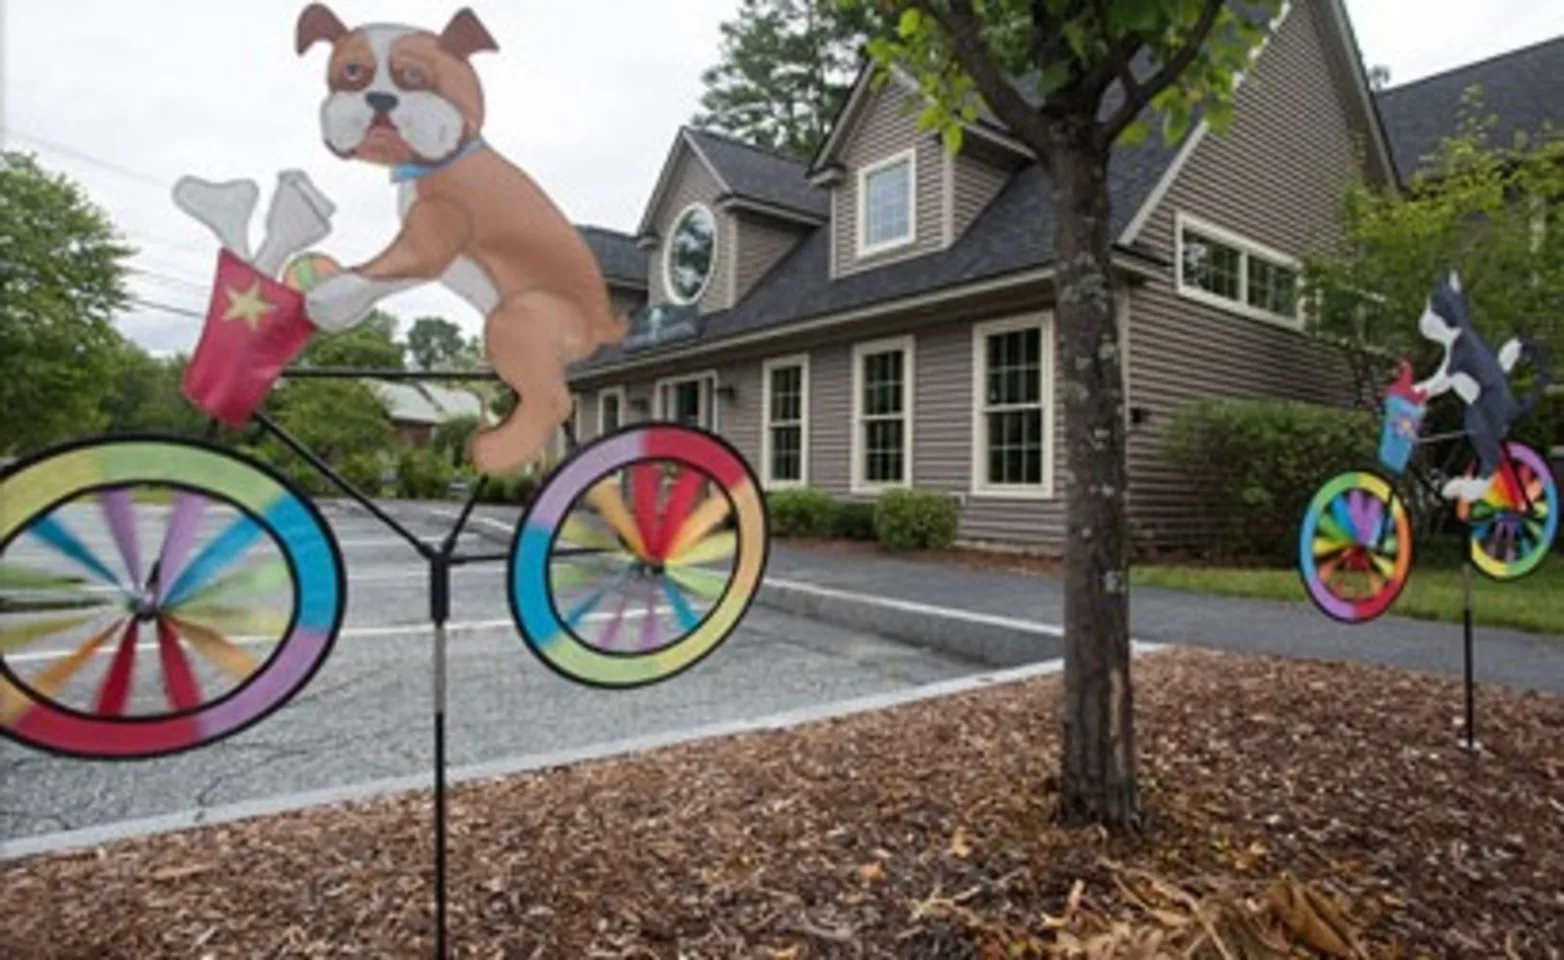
x: 255, y: 327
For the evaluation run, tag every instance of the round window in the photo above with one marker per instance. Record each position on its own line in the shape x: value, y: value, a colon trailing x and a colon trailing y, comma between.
x: 692, y: 251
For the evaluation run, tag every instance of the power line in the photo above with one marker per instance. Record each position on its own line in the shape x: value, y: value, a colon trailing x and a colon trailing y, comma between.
x: 179, y: 311
x: 166, y: 278
x: 124, y: 171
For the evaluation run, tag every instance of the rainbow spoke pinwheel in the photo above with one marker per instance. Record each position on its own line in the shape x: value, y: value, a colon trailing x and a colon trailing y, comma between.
x: 1513, y: 525
x: 1355, y: 548
x: 143, y: 611
x: 639, y: 557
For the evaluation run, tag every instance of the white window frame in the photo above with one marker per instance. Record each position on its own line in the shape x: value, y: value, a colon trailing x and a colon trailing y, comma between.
x: 910, y: 157
x: 800, y: 360
x: 1044, y: 324
x: 716, y: 249
x: 907, y: 346
x: 561, y: 444
x: 661, y: 414
x: 1246, y: 248
x: 618, y: 393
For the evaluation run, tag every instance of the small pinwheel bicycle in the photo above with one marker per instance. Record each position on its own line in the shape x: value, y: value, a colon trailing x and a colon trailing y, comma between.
x: 159, y: 593
x: 1356, y: 538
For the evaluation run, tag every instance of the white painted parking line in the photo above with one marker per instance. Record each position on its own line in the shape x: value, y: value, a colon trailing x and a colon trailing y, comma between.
x: 351, y: 633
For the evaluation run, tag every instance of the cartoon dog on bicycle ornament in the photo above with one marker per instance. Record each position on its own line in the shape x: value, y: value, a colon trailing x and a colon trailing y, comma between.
x: 1355, y: 541
x: 410, y: 100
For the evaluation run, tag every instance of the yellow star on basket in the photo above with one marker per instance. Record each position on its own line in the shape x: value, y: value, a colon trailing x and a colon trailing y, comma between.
x: 248, y: 306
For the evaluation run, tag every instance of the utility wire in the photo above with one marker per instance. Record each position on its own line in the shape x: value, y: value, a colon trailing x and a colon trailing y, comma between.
x: 124, y: 171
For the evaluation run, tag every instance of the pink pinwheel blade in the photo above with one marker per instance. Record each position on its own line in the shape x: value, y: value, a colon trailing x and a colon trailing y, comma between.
x: 188, y: 509
x: 121, y: 516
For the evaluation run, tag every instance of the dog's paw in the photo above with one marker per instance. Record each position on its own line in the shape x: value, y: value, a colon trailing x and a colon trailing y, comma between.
x: 340, y: 302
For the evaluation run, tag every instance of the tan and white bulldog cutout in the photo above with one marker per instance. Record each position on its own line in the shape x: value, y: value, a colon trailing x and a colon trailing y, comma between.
x: 409, y: 99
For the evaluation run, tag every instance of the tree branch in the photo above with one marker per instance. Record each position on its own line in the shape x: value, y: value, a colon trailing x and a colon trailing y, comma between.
x: 1138, y: 95
x: 960, y: 22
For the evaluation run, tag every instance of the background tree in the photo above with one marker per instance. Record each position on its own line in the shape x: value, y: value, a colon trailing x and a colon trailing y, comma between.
x: 1093, y: 71
x: 787, y: 67
x: 62, y: 277
x: 436, y: 343
x: 145, y: 393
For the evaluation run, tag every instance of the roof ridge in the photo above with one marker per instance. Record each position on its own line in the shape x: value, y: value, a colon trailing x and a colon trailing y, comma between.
x: 734, y: 141
x: 609, y: 230
x: 1472, y: 65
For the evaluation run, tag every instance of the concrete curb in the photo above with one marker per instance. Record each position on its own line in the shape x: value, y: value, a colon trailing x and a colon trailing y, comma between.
x: 97, y: 836
x: 983, y: 638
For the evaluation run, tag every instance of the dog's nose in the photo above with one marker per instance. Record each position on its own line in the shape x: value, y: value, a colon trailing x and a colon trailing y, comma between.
x: 383, y: 102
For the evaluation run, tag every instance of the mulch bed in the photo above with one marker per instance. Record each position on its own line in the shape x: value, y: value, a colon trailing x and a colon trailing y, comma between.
x: 1286, y: 803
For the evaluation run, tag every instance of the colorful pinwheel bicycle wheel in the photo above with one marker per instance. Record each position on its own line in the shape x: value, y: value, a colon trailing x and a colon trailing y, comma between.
x: 639, y: 557
x: 1355, y: 540
x: 156, y: 595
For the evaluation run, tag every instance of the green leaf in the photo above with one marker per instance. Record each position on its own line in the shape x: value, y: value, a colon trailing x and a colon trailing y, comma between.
x: 1135, y: 134
x: 1053, y: 78
x: 911, y: 21
x: 1142, y: 16
x: 951, y: 136
x: 1076, y: 35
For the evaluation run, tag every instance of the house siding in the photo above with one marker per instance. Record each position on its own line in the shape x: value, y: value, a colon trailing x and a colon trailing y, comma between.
x: 1257, y: 181
x: 883, y: 129
x: 693, y: 182
x: 977, y: 179
x: 761, y: 245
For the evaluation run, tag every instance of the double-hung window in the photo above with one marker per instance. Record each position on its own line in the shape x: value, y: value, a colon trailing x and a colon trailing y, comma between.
x: 882, y: 414
x: 785, y: 453
x: 1013, y: 407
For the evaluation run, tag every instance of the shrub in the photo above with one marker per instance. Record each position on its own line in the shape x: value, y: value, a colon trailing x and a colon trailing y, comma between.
x: 915, y: 520
x: 1253, y: 465
x: 423, y: 474
x: 855, y: 520
x: 451, y: 438
x: 362, y: 470
x: 801, y: 513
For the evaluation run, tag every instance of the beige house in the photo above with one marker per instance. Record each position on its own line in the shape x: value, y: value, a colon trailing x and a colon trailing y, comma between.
x: 883, y: 315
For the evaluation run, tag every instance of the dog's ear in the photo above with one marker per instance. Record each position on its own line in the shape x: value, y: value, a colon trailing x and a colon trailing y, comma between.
x: 466, y: 35
x: 317, y: 23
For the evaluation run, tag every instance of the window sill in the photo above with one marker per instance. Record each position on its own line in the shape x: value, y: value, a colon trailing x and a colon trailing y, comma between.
x: 1028, y: 493
x: 1239, y: 309
x: 875, y: 489
x: 891, y: 246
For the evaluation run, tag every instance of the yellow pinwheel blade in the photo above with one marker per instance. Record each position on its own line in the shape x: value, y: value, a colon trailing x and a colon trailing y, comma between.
x: 219, y: 650
x: 717, y: 547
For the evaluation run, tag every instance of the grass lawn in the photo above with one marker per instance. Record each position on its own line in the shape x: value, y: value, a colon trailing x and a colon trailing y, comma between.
x: 1534, y: 603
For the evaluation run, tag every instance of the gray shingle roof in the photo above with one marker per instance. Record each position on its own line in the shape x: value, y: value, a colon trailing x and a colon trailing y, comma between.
x: 1523, y: 88
x: 762, y: 175
x: 617, y: 255
x: 1014, y: 233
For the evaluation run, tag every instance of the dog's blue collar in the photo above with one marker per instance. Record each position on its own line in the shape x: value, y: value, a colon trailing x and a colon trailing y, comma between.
x: 412, y: 171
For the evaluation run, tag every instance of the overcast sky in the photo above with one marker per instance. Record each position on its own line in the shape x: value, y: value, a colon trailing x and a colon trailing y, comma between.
x: 584, y: 94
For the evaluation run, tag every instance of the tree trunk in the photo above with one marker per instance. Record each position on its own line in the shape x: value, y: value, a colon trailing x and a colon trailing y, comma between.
x: 1097, y: 783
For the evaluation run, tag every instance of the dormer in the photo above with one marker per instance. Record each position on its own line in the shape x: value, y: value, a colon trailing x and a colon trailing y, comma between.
x: 895, y: 192
x: 723, y: 213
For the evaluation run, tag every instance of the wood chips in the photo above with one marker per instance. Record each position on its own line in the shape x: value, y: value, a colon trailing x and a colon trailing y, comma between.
x: 1292, y: 810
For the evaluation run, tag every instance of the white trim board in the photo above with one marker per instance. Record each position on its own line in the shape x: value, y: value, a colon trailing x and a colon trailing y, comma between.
x: 907, y: 345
